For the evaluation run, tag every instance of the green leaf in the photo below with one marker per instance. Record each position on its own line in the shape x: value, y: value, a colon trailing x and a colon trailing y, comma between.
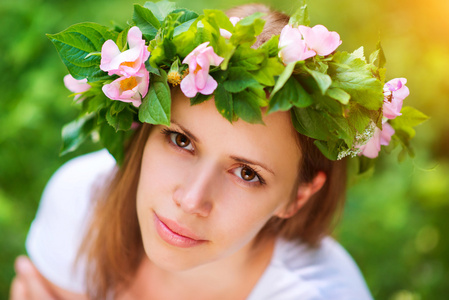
x: 199, y: 98
x: 382, y: 58
x: 119, y: 117
x: 403, y: 137
x: 359, y: 53
x: 95, y: 103
x: 382, y: 73
x: 252, y: 20
x: 202, y: 35
x: 122, y: 39
x: 160, y: 9
x: 327, y: 104
x: 76, y: 132
x: 354, y: 76
x: 247, y: 108
x: 155, y: 108
x: 379, y: 57
x: 340, y: 127
x: 185, y: 41
x: 117, y: 107
x: 329, y: 149
x: 224, y: 103
x: 324, y: 81
x: 374, y: 57
x: 339, y: 95
x: 151, y: 69
x: 247, y: 29
x: 238, y: 80
x: 146, y: 21
x: 359, y: 168
x: 359, y: 117
x: 248, y: 58
x: 292, y: 94
x: 285, y: 75
x: 217, y: 19
x: 164, y: 53
x: 185, y: 21
x: 271, y: 68
x: 311, y: 123
x: 272, y: 46
x: 169, y: 49
x: 76, y: 43
x: 410, y: 118
x: 114, y: 142
x: 301, y: 16
x: 186, y: 16
x: 320, y: 125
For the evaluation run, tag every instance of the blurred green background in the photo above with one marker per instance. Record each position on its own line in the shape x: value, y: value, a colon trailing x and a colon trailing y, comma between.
x: 395, y: 223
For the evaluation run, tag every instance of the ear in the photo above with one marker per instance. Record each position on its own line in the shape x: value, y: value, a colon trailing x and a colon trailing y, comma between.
x: 303, y: 194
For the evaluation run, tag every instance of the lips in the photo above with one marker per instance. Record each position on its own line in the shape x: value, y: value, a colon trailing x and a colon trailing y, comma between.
x: 174, y: 234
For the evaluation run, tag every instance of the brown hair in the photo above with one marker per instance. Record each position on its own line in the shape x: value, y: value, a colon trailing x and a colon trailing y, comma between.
x: 113, y: 246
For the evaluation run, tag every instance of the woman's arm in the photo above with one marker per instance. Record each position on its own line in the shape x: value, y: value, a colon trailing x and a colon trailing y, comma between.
x: 29, y: 284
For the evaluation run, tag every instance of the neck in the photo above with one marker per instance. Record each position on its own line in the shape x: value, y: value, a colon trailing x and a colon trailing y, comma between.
x: 237, y: 274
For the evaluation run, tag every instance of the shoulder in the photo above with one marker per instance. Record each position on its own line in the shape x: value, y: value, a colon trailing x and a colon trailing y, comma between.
x: 58, y: 228
x: 78, y: 172
x: 298, y: 271
x: 71, y: 186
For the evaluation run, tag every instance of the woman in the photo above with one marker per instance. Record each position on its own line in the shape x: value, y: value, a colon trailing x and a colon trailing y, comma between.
x: 203, y: 208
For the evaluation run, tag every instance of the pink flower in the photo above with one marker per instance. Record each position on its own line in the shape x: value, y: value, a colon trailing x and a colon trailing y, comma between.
x: 129, y: 89
x: 381, y: 137
x: 125, y: 63
x: 395, y: 92
x: 293, y: 47
x: 75, y: 85
x: 226, y: 34
x: 198, y: 79
x: 320, y: 40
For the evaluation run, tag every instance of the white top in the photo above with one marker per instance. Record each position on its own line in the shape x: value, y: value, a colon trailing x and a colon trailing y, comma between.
x: 296, y: 271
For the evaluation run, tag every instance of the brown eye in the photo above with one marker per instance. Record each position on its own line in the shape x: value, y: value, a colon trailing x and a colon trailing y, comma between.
x: 247, y: 174
x: 181, y: 140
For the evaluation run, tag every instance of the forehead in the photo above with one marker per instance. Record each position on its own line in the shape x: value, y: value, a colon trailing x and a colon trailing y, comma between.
x: 275, y: 140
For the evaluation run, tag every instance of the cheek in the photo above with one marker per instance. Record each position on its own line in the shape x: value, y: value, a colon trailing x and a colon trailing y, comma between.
x: 158, y: 173
x: 241, y: 216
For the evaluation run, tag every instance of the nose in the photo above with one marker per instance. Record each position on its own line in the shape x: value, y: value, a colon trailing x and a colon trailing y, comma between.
x: 195, y: 194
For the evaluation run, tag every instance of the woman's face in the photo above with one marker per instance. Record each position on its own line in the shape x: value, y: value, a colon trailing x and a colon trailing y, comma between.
x: 207, y: 186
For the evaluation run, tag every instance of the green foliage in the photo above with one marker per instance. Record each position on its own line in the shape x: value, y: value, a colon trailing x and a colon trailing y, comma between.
x: 224, y: 103
x: 352, y: 74
x: 156, y: 104
x: 238, y: 80
x: 76, y: 43
x: 404, y: 131
x: 301, y: 16
x: 76, y: 132
x: 292, y: 94
x: 146, y: 21
x: 161, y: 9
x: 247, y: 29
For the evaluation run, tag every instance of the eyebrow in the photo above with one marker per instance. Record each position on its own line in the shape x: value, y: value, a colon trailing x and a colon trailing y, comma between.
x: 242, y: 160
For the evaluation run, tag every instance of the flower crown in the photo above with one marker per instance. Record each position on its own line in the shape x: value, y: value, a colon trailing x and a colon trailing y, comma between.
x: 122, y: 77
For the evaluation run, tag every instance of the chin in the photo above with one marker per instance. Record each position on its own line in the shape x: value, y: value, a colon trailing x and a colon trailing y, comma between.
x: 175, y: 260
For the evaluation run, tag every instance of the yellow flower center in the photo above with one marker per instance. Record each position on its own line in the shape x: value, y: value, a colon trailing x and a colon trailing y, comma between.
x: 128, y: 83
x: 174, y: 78
x: 128, y: 64
x: 197, y: 69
